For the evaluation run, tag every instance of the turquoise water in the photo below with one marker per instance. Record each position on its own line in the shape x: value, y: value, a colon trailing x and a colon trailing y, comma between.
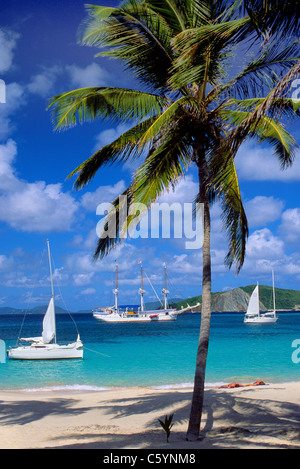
x: 155, y: 354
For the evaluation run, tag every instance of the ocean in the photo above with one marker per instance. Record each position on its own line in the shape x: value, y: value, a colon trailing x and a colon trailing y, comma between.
x: 154, y: 354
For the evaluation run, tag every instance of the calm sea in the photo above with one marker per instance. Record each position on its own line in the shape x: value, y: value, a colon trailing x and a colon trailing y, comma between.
x: 155, y: 354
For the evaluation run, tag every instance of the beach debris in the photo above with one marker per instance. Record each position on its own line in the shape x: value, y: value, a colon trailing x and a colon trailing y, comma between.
x: 167, y: 425
x: 238, y: 385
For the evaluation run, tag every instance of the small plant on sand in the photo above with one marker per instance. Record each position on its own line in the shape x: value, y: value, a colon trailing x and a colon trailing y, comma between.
x: 167, y: 425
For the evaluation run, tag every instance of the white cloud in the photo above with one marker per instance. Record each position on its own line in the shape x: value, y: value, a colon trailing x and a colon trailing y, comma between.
x: 43, y: 83
x: 109, y: 135
x: 32, y: 207
x: 83, y: 279
x: 6, y: 263
x: 92, y: 75
x: 254, y: 163
x: 8, y: 180
x: 262, y: 210
x: 8, y: 40
x: 15, y: 98
x: 262, y: 244
x: 88, y: 291
x: 185, y: 191
x: 90, y: 200
x: 38, y: 207
x: 290, y: 225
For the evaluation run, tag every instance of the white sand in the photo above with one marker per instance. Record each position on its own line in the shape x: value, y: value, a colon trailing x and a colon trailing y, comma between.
x: 253, y: 417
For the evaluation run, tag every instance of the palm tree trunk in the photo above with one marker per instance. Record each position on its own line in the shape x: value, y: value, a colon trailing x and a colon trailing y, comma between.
x: 198, y: 393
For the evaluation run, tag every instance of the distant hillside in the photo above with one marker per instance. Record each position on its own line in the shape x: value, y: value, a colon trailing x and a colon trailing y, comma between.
x: 37, y: 310
x: 237, y: 299
x: 157, y: 305
x: 285, y: 299
x: 230, y: 301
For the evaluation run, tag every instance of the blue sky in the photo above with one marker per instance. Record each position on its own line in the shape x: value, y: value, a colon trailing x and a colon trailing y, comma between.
x: 40, y: 57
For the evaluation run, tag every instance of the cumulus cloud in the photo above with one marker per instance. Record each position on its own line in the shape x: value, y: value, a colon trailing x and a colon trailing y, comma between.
x: 109, y: 135
x: 88, y: 291
x: 90, y: 200
x: 290, y: 225
x: 92, y: 75
x: 255, y: 163
x: 185, y: 191
x: 83, y: 279
x: 262, y: 210
x: 43, y: 83
x: 6, y: 263
x: 263, y: 244
x: 32, y: 206
x: 15, y: 99
x: 8, y: 41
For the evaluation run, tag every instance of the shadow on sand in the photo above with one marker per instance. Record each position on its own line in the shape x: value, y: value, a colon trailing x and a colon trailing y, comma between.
x: 230, y: 420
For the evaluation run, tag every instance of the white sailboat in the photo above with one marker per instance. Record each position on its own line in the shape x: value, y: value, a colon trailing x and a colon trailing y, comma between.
x: 45, y: 347
x: 253, y: 314
x: 114, y: 314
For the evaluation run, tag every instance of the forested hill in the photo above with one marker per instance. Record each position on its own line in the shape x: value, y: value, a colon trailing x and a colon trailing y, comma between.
x: 238, y: 298
x: 232, y: 300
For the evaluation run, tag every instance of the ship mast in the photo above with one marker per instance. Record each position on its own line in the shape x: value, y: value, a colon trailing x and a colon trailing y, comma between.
x: 141, y: 290
x: 116, y: 290
x: 165, y: 290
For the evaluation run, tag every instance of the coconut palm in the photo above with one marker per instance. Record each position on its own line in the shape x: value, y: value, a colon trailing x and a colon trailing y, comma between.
x: 274, y: 16
x: 192, y: 109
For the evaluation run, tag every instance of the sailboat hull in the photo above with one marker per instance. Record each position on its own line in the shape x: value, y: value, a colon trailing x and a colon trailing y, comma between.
x: 260, y: 320
x: 46, y: 352
x: 42, y: 348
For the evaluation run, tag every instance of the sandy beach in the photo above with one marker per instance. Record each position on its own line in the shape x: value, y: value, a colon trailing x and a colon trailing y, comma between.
x: 249, y: 417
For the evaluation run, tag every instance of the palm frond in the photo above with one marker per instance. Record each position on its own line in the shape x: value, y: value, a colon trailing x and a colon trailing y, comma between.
x: 114, y: 225
x: 164, y: 166
x: 181, y: 15
x: 116, y: 104
x: 248, y: 125
x: 173, y: 111
x: 128, y: 145
x: 288, y: 106
x: 223, y: 185
x: 134, y: 35
x: 274, y: 16
x: 261, y: 73
x: 266, y: 129
x: 202, y: 50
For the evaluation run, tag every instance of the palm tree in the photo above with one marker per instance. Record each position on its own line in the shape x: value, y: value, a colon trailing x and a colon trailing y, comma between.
x: 192, y: 110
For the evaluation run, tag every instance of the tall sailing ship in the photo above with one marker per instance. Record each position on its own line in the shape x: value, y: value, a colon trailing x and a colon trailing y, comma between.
x: 115, y: 314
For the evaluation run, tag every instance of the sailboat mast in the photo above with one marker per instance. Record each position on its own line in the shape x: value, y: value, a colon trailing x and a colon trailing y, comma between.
x: 52, y: 289
x: 258, y: 305
x: 274, y: 306
x: 116, y: 289
x: 142, y: 289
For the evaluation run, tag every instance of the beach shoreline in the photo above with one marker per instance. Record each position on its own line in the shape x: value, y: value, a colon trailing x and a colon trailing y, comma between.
x: 266, y: 416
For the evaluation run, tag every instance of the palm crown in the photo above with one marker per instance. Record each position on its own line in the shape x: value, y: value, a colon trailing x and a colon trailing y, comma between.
x: 191, y: 112
x: 193, y: 108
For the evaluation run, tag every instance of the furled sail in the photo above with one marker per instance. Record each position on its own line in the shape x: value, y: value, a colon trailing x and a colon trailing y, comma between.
x: 49, y: 323
x: 253, y: 306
